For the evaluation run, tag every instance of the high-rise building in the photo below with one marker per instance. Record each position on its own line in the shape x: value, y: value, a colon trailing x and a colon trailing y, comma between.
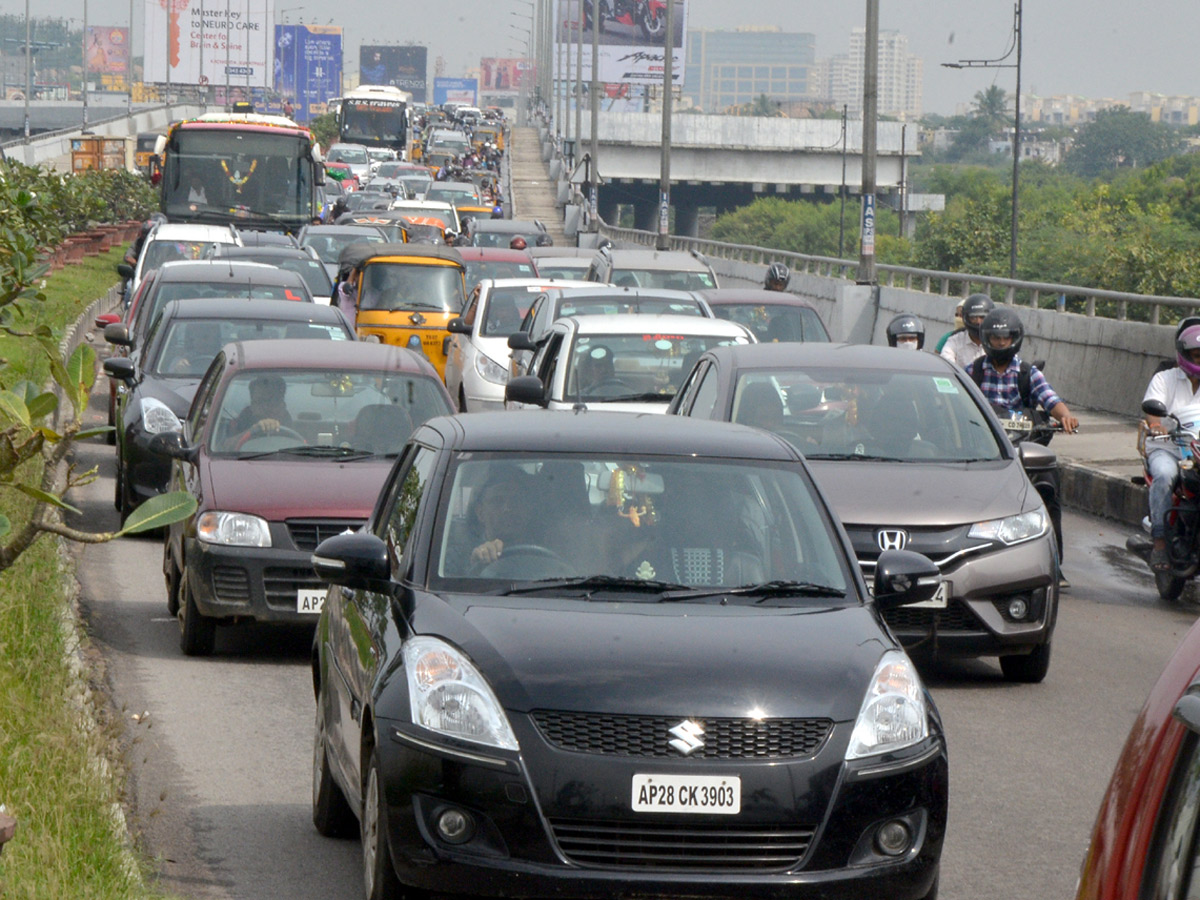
x: 900, y: 76
x: 731, y: 68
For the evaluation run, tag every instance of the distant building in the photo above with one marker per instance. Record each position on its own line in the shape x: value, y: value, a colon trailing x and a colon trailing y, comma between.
x: 901, y: 76
x: 730, y: 68
x: 1072, y: 110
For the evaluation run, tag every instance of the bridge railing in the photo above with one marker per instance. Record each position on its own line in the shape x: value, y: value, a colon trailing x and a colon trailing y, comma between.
x: 1035, y: 294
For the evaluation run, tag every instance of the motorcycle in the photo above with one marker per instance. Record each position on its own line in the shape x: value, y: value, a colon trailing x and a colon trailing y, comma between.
x: 1183, y: 519
x: 1040, y: 463
x: 649, y: 15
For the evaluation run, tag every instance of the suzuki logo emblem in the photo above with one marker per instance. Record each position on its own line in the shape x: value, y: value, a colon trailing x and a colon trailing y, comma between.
x: 892, y: 540
x: 689, y: 737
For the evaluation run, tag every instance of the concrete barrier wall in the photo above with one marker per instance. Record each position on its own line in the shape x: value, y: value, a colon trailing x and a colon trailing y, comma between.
x: 49, y: 151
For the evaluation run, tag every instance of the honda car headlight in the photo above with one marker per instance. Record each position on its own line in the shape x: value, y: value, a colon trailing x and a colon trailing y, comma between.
x: 894, y: 714
x: 233, y: 529
x: 448, y: 695
x: 1011, y: 529
x: 490, y: 370
x: 157, y: 417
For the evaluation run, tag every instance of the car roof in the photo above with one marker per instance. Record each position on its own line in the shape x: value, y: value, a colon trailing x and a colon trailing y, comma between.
x: 191, y: 231
x: 331, y: 355
x: 673, y: 260
x: 217, y: 270
x: 243, y: 308
x: 608, y: 432
x: 508, y: 225
x: 340, y: 229
x: 584, y: 256
x: 841, y: 356
x: 493, y: 254
x: 757, y: 296
x: 542, y: 284
x: 262, y: 251
x: 631, y: 323
x: 429, y: 251
x: 469, y: 185
x: 600, y: 290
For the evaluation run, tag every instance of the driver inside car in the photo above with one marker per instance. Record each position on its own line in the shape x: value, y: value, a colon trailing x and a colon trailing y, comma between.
x: 594, y: 370
x: 501, y: 514
x: 267, y: 412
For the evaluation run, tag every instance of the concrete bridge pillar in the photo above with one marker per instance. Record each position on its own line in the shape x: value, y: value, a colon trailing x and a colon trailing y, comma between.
x: 687, y: 219
x: 606, y: 205
x: 645, y: 214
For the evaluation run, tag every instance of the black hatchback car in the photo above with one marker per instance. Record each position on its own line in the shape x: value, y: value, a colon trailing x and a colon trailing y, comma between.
x: 611, y: 655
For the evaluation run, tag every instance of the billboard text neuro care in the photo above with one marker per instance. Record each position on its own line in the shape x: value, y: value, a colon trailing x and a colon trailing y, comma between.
x: 402, y: 67
x: 210, y: 41
x: 308, y: 67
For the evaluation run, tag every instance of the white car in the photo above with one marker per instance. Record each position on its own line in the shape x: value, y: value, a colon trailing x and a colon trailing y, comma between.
x: 621, y: 362
x: 173, y: 241
x: 477, y: 357
x: 430, y: 209
x: 353, y: 155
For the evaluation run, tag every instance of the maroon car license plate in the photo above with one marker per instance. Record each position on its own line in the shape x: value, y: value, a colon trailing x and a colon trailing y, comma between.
x: 310, y: 601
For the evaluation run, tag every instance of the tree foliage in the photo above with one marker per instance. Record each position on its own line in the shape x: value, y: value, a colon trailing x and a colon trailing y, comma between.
x: 1120, y: 138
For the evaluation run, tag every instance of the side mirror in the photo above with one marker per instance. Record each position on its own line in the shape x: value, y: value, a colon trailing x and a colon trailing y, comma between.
x: 1155, y: 408
x: 105, y: 319
x: 1034, y: 456
x: 458, y: 325
x: 353, y: 560
x: 526, y: 389
x: 117, y: 333
x: 903, y: 577
x: 125, y: 270
x: 521, y: 341
x: 120, y: 368
x: 171, y: 445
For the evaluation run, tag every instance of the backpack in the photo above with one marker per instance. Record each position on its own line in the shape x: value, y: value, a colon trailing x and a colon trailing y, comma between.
x: 1035, y: 413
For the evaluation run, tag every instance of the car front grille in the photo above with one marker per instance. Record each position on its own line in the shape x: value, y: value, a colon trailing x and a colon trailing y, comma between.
x: 616, y: 735
x: 231, y: 584
x: 281, y: 583
x: 956, y: 617
x: 677, y: 847
x: 307, y: 533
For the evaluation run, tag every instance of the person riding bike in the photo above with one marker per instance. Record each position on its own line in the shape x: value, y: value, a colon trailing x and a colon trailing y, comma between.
x: 778, y: 277
x: 1178, y: 389
x: 907, y: 332
x: 1013, y: 386
x: 964, y: 348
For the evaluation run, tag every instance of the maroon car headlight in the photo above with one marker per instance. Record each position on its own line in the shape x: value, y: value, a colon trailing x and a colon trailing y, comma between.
x: 233, y: 529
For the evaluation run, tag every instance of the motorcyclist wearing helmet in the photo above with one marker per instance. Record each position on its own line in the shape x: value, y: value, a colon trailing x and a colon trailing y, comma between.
x: 1177, y: 388
x: 999, y: 375
x: 907, y: 332
x: 778, y: 277
x: 964, y: 348
x: 517, y: 243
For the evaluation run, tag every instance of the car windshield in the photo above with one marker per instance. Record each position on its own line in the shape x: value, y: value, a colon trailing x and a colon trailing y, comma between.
x: 771, y: 322
x: 485, y: 238
x: 159, y: 252
x: 562, y: 271
x: 506, y: 307
x: 662, y: 278
x: 479, y: 269
x: 355, y: 155
x: 868, y: 414
x: 627, y: 525
x: 390, y: 170
x: 317, y: 414
x: 430, y: 215
x: 402, y: 286
x: 330, y: 246
x: 607, y: 368
x: 187, y: 346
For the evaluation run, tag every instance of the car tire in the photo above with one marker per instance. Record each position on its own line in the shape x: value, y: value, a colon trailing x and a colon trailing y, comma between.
x: 933, y: 890
x: 1170, y: 587
x: 111, y: 437
x: 1028, y: 668
x: 174, y: 581
x: 379, y: 875
x: 197, y: 632
x: 331, y: 814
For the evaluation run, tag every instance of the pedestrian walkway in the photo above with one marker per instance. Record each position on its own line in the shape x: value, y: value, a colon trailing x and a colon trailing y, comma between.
x: 533, y: 191
x: 1098, y: 464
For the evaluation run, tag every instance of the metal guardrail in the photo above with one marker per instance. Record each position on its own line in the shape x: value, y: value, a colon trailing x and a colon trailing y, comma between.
x: 947, y: 284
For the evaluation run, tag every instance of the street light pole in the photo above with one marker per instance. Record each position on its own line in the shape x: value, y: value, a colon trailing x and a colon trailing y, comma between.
x: 663, y: 242
x: 85, y: 68
x: 28, y: 71
x: 866, y: 254
x: 594, y: 96
x: 129, y: 61
x: 579, y: 74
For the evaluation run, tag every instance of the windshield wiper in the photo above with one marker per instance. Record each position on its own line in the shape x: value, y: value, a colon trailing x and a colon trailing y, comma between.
x: 591, y: 583
x: 298, y: 449
x: 869, y: 457
x: 763, y: 591
x: 646, y: 397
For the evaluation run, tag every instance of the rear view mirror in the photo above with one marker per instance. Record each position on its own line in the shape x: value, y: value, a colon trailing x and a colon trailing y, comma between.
x: 526, y: 389
x: 120, y: 368
x: 1155, y: 408
x: 458, y: 325
x: 521, y: 341
x: 903, y: 577
x: 353, y: 560
x: 118, y: 333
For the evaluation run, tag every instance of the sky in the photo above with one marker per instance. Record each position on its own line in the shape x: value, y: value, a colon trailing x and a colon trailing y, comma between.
x: 1094, y: 48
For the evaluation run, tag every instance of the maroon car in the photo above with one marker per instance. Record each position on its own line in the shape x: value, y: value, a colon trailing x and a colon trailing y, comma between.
x: 287, y: 442
x: 496, y: 262
x: 1144, y: 843
x: 773, y: 316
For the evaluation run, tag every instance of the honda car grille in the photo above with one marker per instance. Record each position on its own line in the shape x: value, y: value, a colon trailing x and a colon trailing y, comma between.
x: 668, y: 845
x: 616, y: 735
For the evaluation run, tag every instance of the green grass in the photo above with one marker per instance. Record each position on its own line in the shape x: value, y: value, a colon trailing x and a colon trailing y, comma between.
x: 53, y: 733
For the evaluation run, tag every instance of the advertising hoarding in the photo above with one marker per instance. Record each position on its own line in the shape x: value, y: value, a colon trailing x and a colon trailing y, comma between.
x: 456, y: 90
x: 107, y: 50
x: 308, y: 68
x: 500, y: 75
x: 631, y: 47
x: 403, y: 67
x: 210, y: 41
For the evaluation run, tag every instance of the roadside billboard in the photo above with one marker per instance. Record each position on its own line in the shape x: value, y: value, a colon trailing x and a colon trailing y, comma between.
x: 308, y: 68
x: 631, y: 47
x: 403, y: 67
x: 498, y: 75
x: 209, y: 42
x: 456, y: 90
x: 107, y: 50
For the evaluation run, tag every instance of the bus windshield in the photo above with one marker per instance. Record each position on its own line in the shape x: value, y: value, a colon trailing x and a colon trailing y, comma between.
x: 378, y: 123
x: 230, y: 176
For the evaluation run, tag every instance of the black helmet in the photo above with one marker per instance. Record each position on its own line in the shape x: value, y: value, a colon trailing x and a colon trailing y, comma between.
x: 906, y: 323
x: 976, y: 305
x: 778, y: 277
x: 1001, y: 322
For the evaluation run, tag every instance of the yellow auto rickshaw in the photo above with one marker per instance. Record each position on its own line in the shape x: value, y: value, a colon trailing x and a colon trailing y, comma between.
x: 407, y: 293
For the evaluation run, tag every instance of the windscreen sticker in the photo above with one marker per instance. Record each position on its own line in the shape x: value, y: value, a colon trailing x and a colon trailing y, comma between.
x: 945, y: 386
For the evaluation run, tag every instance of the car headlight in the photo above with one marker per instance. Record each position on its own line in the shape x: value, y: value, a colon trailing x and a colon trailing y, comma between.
x: 490, y: 370
x: 1012, y: 529
x: 448, y: 695
x: 233, y: 529
x: 894, y: 714
x: 157, y: 417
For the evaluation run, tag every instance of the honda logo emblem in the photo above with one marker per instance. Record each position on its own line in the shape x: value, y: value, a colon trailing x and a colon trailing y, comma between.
x: 689, y: 737
x: 894, y: 539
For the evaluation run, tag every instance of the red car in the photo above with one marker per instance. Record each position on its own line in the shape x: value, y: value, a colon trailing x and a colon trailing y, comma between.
x: 341, y: 172
x: 1144, y: 843
x: 496, y: 262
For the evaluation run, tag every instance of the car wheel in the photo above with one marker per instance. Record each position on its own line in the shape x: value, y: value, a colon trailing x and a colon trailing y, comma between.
x: 197, y: 632
x: 111, y: 437
x: 1029, y: 668
x: 174, y: 581
x: 933, y: 890
x: 379, y: 876
x: 124, y: 505
x: 331, y: 814
x: 1170, y: 587
x: 118, y: 485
